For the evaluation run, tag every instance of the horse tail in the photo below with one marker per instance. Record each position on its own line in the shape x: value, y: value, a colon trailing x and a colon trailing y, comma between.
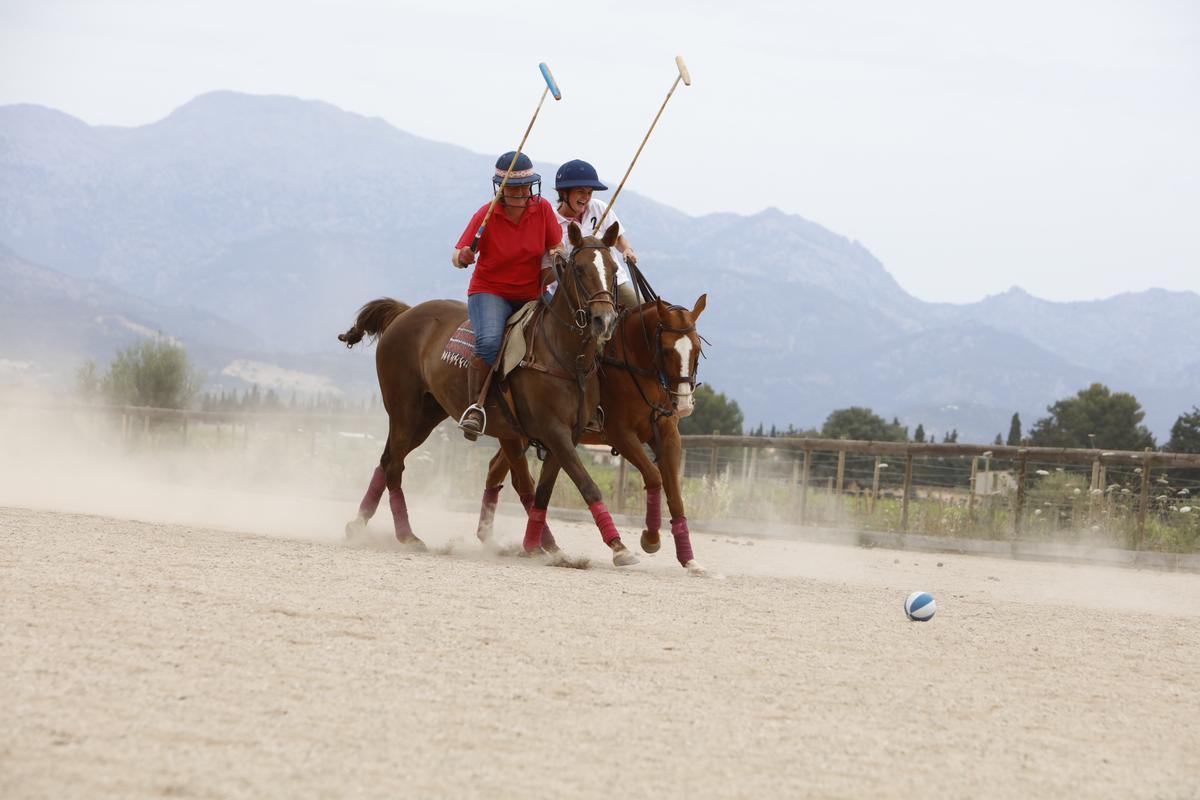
x: 373, y: 319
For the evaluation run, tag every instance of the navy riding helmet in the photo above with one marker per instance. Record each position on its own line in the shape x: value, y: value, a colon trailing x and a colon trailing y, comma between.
x: 578, y: 174
x: 522, y: 173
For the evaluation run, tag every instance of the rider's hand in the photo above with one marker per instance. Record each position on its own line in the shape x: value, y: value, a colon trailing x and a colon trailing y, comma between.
x: 466, y: 257
x: 630, y: 258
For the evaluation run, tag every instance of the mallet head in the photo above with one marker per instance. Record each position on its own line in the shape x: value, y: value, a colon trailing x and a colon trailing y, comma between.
x: 683, y: 71
x: 550, y: 82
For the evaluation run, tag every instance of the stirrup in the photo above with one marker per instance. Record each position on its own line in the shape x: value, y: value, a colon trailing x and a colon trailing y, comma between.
x: 470, y: 432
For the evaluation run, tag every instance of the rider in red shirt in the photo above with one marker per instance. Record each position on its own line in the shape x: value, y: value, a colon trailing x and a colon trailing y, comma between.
x: 513, y: 252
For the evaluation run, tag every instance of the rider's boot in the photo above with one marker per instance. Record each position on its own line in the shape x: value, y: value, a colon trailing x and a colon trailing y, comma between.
x: 474, y: 419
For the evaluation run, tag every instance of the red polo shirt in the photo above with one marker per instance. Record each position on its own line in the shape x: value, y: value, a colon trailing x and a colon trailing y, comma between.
x: 510, y: 254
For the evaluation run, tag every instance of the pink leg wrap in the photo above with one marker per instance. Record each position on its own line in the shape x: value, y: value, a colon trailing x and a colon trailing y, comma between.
x: 683, y: 540
x: 548, y: 539
x: 400, y: 515
x: 608, y: 531
x: 370, y: 501
x: 533, y: 529
x: 487, y: 511
x: 653, y: 509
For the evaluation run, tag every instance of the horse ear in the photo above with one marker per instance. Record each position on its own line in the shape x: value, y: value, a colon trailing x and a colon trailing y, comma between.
x: 610, y: 235
x: 662, y: 307
x: 700, y: 303
x: 574, y: 235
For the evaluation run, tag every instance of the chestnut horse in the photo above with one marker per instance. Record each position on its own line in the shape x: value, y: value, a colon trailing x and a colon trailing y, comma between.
x: 551, y: 398
x: 648, y: 374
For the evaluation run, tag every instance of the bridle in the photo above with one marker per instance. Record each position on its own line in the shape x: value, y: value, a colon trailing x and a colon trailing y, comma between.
x: 601, y: 296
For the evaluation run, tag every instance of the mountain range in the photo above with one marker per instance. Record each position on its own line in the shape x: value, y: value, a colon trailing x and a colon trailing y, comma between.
x: 252, y: 227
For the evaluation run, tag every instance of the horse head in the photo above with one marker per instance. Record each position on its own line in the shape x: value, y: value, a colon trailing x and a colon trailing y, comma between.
x: 589, y: 277
x: 677, y: 349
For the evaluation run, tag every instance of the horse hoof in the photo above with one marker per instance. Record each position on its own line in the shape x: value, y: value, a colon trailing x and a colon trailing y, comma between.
x: 356, y: 529
x: 551, y: 547
x: 624, y: 558
x: 536, y: 552
x: 651, y: 541
x: 696, y: 571
x: 412, y: 544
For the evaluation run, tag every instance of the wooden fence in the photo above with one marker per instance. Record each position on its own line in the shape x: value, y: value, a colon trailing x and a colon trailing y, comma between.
x: 1146, y: 461
x: 136, y: 420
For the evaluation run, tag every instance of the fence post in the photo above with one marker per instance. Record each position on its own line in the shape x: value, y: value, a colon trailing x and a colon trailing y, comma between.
x: 804, y: 485
x: 971, y: 496
x: 753, y: 471
x: 908, y: 464
x: 841, y: 474
x: 1020, y: 505
x: 875, y: 485
x: 1143, y: 505
x: 712, y: 464
x: 1093, y: 502
x: 620, y: 488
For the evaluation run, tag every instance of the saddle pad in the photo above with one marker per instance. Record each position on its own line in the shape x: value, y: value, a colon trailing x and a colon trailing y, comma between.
x: 460, y: 347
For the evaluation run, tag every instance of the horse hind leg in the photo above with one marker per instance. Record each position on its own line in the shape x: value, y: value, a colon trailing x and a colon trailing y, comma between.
x: 497, y: 469
x: 357, y: 527
x: 403, y: 439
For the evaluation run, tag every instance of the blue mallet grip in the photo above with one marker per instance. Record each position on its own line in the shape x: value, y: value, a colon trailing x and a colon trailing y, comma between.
x: 550, y: 81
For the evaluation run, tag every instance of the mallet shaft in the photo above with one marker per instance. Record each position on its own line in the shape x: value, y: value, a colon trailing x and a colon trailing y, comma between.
x: 551, y: 86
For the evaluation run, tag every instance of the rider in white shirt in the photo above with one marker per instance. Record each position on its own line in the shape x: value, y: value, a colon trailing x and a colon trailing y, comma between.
x: 575, y: 182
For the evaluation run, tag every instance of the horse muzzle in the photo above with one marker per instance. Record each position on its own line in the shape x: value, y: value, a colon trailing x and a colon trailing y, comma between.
x: 604, y: 324
x: 684, y: 403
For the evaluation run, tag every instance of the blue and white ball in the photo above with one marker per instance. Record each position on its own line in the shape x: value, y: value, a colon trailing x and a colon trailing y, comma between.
x: 920, y: 606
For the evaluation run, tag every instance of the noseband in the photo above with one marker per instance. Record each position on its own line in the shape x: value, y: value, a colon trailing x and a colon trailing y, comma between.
x: 601, y: 296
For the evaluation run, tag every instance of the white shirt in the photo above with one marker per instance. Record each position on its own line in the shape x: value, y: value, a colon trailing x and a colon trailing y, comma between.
x: 591, y: 215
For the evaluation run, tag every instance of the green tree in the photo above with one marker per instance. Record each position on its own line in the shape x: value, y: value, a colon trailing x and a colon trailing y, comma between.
x: 861, y: 423
x: 919, y: 434
x: 999, y: 440
x: 712, y: 412
x: 1114, y: 417
x: 152, y: 373
x: 1185, y: 433
x: 1014, y: 431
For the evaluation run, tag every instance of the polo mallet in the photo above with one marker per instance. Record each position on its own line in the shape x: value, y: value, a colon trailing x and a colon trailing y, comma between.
x: 552, y: 88
x: 684, y: 76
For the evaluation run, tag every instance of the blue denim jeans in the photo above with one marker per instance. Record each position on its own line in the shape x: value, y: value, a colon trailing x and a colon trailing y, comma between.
x: 488, y: 313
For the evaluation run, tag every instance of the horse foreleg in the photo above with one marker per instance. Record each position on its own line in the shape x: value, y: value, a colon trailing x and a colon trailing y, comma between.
x: 497, y: 469
x: 522, y: 481
x: 536, y: 522
x: 669, y: 452
x: 628, y: 445
x: 564, y: 452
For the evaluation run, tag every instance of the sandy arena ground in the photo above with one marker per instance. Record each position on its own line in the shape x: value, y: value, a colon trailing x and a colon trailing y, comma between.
x: 157, y: 659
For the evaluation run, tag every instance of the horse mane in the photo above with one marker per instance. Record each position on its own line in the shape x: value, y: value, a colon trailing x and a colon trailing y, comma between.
x: 373, y: 319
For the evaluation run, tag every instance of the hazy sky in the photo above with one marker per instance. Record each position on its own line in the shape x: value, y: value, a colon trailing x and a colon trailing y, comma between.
x: 970, y: 146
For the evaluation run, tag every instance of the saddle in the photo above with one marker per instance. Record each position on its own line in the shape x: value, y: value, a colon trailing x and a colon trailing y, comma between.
x: 516, y: 350
x: 461, y: 345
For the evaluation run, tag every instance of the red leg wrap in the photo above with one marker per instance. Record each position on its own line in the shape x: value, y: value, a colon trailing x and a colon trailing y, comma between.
x: 604, y: 521
x: 683, y: 540
x: 400, y: 515
x: 370, y: 501
x: 533, y: 529
x: 653, y: 509
x: 548, y: 539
